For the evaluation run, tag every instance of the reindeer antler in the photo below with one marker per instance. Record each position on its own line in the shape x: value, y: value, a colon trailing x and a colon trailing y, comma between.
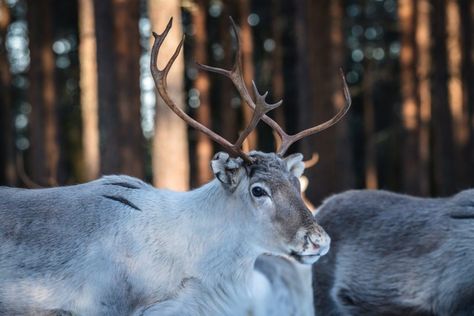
x: 236, y: 76
x: 159, y: 76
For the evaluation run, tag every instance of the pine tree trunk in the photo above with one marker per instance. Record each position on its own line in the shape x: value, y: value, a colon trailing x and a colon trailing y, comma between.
x: 8, y: 175
x: 466, y: 9
x: 223, y: 87
x: 423, y: 42
x: 443, y: 149
x: 325, y: 42
x: 118, y: 55
x: 407, y: 12
x: 45, y: 152
x: 202, y: 84
x: 246, y: 42
x: 88, y: 85
x: 170, y: 146
x: 459, y: 109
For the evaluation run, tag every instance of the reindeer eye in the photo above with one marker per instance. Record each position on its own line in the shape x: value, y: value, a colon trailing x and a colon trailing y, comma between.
x: 258, y: 191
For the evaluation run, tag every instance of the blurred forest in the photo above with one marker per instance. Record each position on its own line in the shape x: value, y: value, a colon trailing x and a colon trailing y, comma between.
x: 78, y: 101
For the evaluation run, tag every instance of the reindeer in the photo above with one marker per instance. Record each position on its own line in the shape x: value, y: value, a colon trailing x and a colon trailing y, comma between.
x: 281, y: 286
x: 118, y: 246
x: 393, y: 254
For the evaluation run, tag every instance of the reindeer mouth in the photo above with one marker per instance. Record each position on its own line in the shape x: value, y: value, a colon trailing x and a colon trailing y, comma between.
x: 305, y: 258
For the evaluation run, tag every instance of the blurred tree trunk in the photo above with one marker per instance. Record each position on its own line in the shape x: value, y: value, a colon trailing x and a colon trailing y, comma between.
x: 8, y: 174
x: 423, y: 42
x: 246, y: 42
x: 415, y: 175
x: 459, y: 109
x: 118, y: 55
x: 223, y: 87
x: 204, y: 146
x: 466, y: 9
x: 325, y: 49
x: 443, y: 149
x: 278, y: 82
x: 371, y: 175
x: 45, y: 152
x: 170, y: 145
x: 88, y: 86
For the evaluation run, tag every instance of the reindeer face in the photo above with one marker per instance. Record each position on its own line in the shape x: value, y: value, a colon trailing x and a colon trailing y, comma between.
x: 270, y: 189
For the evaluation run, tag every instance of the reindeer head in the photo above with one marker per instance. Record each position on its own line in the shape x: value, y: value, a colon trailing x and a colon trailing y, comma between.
x: 267, y: 183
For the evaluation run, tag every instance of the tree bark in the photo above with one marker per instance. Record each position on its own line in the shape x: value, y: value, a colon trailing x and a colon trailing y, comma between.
x: 456, y: 87
x: 202, y: 84
x: 325, y: 41
x: 223, y: 87
x: 443, y: 149
x: 45, y: 152
x: 170, y: 146
x: 466, y: 9
x: 246, y: 44
x: 423, y: 42
x: 410, y: 108
x: 118, y: 54
x: 88, y: 86
x: 8, y: 175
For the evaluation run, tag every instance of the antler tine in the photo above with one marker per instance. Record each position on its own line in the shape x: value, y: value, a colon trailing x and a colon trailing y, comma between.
x: 290, y: 139
x: 236, y: 76
x: 260, y: 109
x: 160, y: 76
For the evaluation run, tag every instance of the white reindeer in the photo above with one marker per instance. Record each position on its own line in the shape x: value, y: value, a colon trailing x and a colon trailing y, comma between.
x: 117, y: 246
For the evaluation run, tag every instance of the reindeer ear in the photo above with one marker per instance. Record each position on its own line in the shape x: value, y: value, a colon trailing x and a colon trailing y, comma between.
x: 295, y: 164
x: 227, y: 170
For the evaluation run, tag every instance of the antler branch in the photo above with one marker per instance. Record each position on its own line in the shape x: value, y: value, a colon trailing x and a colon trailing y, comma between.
x: 160, y: 76
x: 236, y: 76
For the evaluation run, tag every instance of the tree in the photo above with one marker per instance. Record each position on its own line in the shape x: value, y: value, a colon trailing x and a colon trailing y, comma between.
x: 45, y: 148
x: 324, y: 45
x: 202, y: 84
x: 443, y: 149
x: 118, y: 54
x: 7, y: 137
x: 170, y: 147
x: 456, y: 87
x: 88, y: 85
x: 413, y: 63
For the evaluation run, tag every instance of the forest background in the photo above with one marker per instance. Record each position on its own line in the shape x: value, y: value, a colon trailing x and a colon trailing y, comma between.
x: 78, y: 101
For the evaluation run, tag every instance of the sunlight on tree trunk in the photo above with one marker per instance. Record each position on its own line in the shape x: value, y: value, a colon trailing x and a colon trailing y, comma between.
x: 423, y: 42
x: 170, y: 145
x: 247, y: 65
x: 42, y: 91
x: 455, y: 85
x: 442, y: 131
x: 88, y: 85
x: 410, y: 109
x: 371, y: 178
x: 203, y: 115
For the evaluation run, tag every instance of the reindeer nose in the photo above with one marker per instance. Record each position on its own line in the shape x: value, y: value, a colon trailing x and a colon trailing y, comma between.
x: 320, y: 242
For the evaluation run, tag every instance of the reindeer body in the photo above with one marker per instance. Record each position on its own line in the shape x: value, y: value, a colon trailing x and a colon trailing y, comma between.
x: 394, y: 254
x: 117, y: 246
x: 281, y: 287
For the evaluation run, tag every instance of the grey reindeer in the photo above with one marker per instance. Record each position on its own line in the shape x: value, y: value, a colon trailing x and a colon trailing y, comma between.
x: 117, y: 246
x: 394, y: 254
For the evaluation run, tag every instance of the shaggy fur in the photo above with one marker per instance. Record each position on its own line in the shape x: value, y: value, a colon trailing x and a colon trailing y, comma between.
x: 394, y: 254
x: 117, y: 246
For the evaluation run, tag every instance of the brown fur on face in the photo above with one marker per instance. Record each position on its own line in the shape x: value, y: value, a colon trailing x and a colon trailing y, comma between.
x: 291, y: 214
